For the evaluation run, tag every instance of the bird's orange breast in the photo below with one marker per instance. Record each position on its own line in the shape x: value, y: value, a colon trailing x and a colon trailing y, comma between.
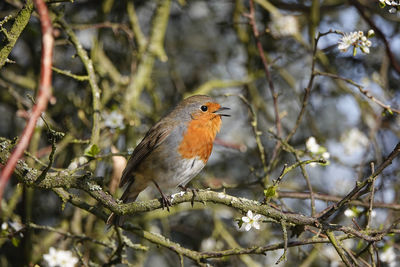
x: 199, y: 137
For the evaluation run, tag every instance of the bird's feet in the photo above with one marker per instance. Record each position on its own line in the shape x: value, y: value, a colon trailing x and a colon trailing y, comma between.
x: 194, y: 192
x: 165, y: 200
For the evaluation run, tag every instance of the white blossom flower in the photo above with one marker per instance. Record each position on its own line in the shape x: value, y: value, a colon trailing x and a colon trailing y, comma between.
x: 60, y: 258
x: 389, y: 3
x: 282, y: 26
x: 52, y: 257
x: 348, y: 39
x: 388, y: 256
x: 371, y: 33
x: 350, y: 213
x: 114, y: 120
x: 364, y: 49
x: 312, y: 145
x: 251, y: 220
x: 356, y: 40
x: 4, y: 226
x: 394, y: 4
x: 316, y: 150
x: 326, y: 155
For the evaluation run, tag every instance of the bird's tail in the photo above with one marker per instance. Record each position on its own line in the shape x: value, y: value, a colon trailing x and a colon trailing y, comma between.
x: 119, y: 220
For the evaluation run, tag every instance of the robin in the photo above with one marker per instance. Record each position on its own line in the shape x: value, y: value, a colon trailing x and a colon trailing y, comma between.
x: 173, y: 151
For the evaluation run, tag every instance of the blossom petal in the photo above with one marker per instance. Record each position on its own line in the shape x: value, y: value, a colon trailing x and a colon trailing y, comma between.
x: 247, y: 226
x: 257, y: 217
x: 246, y: 219
x: 250, y: 214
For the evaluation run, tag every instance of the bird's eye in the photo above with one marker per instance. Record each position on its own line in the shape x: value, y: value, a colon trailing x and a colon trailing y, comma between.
x: 204, y: 108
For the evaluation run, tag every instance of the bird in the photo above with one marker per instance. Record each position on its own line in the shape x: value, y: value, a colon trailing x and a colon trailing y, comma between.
x: 173, y: 151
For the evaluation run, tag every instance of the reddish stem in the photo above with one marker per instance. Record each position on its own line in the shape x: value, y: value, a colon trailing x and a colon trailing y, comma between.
x: 43, y: 97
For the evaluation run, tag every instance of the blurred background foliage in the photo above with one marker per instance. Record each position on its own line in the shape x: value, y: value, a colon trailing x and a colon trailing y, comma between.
x: 147, y: 56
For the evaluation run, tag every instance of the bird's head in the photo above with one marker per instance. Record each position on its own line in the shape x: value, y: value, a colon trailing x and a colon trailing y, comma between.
x: 203, y: 108
x: 202, y: 122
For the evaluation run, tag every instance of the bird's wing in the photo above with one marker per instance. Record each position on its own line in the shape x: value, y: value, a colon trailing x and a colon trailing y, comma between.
x: 154, y: 137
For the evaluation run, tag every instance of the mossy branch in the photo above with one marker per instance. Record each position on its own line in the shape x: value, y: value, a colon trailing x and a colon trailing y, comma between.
x: 336, y: 244
x: 21, y: 20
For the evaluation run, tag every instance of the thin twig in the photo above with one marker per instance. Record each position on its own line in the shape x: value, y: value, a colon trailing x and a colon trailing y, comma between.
x: 252, y: 21
x: 69, y: 74
x: 371, y: 198
x: 256, y: 131
x: 361, y: 89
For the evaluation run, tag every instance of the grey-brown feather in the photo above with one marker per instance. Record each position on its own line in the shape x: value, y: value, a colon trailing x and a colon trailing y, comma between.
x: 154, y: 137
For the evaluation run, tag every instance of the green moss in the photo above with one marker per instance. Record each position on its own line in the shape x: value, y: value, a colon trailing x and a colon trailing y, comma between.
x: 20, y: 22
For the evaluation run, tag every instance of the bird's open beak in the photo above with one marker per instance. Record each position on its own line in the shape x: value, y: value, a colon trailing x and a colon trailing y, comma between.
x: 221, y: 109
